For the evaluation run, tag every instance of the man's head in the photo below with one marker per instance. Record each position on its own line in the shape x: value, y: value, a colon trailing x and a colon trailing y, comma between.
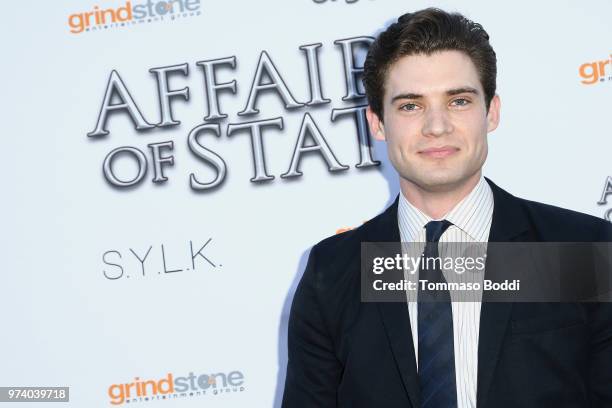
x: 430, y: 82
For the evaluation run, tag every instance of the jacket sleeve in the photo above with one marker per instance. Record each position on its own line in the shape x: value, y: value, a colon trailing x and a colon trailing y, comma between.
x: 313, y: 371
x: 600, y: 378
x: 600, y: 324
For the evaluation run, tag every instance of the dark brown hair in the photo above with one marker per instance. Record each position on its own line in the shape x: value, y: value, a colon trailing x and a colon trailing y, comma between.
x: 425, y: 32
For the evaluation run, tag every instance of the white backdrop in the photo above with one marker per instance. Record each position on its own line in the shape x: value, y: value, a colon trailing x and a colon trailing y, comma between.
x: 78, y: 307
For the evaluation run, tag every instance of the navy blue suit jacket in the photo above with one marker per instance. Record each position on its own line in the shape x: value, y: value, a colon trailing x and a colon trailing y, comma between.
x: 347, y: 353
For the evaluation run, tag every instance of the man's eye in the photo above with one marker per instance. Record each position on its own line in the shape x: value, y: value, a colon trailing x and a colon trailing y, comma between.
x: 408, y: 107
x: 461, y: 102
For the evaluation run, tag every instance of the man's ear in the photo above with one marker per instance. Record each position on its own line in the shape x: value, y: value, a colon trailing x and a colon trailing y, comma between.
x: 377, y: 129
x: 493, y: 115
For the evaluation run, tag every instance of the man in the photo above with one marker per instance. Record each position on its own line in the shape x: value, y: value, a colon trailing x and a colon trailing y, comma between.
x: 430, y: 82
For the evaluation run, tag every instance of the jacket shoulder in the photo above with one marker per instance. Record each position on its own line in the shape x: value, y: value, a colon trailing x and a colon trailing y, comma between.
x: 337, y: 248
x: 335, y: 262
x: 562, y: 224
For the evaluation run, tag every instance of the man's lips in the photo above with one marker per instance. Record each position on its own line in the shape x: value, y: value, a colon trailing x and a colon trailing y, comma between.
x: 438, y: 152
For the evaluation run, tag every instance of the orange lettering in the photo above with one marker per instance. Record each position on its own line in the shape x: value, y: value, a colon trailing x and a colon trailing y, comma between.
x: 76, y: 23
x: 127, y: 389
x: 116, y: 397
x: 153, y: 387
x: 602, y: 65
x: 97, y: 14
x: 169, y: 381
x: 87, y: 15
x: 112, y: 15
x: 128, y: 12
x: 592, y: 75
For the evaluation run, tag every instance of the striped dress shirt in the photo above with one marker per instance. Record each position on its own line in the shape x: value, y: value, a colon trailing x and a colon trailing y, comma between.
x: 471, y: 219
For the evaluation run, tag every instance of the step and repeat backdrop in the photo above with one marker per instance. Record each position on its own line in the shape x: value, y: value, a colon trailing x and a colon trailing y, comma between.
x: 168, y: 164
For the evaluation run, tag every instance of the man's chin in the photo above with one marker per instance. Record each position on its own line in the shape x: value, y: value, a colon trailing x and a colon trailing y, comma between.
x: 438, y: 182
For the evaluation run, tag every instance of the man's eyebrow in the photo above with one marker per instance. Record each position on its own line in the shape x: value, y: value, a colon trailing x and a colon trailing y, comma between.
x: 465, y: 89
x: 406, y: 96
x: 450, y: 92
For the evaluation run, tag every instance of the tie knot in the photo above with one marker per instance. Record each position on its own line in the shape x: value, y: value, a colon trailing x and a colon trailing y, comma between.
x: 435, y: 229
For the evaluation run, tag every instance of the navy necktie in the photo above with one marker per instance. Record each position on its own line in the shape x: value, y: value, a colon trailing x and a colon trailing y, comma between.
x: 435, y: 330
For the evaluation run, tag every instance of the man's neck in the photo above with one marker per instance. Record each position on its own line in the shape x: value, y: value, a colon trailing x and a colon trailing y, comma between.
x: 437, y: 204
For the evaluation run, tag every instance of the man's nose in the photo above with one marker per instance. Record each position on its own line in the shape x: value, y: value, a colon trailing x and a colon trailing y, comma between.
x: 437, y: 122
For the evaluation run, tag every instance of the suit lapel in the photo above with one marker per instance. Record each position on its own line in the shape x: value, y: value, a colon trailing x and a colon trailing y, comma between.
x: 397, y: 325
x: 509, y: 224
x: 394, y: 315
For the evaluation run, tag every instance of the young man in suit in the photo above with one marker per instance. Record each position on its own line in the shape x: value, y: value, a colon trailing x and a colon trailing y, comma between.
x: 430, y: 81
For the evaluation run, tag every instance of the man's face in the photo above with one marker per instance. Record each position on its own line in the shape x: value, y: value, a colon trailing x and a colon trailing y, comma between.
x: 435, y: 120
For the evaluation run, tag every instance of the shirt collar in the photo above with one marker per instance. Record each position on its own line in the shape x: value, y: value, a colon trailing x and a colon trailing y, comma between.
x: 473, y: 214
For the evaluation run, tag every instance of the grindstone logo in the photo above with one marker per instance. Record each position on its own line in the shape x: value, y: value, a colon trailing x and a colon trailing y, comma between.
x: 596, y: 71
x: 132, y: 13
x: 172, y: 387
x: 607, y: 190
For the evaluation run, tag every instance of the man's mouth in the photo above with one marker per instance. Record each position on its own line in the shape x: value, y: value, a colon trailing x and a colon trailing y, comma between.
x: 438, y: 152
